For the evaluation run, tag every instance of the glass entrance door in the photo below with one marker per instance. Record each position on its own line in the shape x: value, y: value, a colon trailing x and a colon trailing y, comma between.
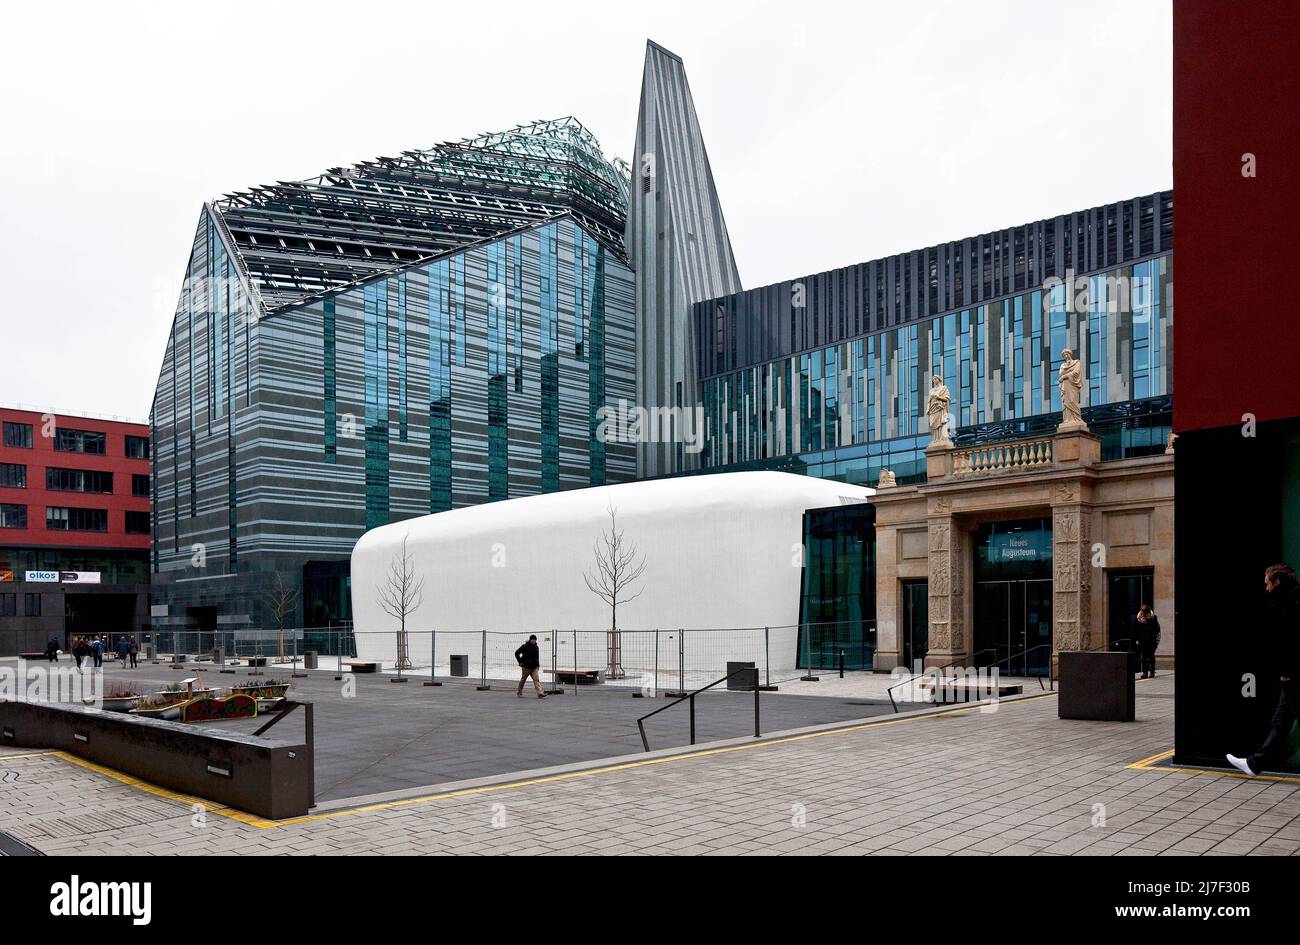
x: 1013, y: 626
x: 914, y: 634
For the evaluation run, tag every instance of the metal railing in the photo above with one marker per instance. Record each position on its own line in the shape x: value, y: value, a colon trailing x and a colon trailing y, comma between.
x: 960, y: 661
x: 669, y: 661
x: 690, y: 697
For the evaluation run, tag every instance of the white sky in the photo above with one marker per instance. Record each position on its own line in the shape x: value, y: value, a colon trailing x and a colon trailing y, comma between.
x: 838, y: 132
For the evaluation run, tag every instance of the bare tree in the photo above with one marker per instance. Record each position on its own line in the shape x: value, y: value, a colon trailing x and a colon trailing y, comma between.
x: 617, y: 567
x: 284, y: 600
x: 400, y: 595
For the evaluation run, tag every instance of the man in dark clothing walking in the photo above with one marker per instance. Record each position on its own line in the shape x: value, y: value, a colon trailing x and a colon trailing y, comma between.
x: 1284, y: 653
x: 123, y: 648
x: 1146, y: 633
x: 134, y: 649
x: 529, y: 658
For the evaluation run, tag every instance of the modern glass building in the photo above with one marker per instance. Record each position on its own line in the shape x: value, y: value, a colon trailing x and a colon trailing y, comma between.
x: 405, y: 336
x: 828, y: 374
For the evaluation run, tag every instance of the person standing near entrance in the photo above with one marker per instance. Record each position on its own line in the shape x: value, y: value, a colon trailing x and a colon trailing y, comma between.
x: 1283, y: 644
x: 529, y: 658
x: 1147, y: 637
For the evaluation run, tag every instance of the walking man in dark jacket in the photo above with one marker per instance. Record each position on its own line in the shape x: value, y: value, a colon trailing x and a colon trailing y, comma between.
x: 123, y: 648
x: 1147, y: 635
x: 529, y: 658
x: 1284, y: 651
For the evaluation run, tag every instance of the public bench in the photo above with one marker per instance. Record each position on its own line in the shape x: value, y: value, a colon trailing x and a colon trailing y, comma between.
x: 362, y: 666
x: 578, y: 677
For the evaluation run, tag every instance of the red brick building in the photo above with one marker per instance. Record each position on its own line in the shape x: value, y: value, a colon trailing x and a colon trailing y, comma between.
x: 74, y: 528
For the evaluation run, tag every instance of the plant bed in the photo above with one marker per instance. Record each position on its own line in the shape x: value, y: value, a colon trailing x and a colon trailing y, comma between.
x: 266, y: 689
x: 118, y: 698
x: 167, y: 710
x: 178, y: 693
x: 238, y: 705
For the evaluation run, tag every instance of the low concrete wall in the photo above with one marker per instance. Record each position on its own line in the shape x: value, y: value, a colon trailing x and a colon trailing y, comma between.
x: 264, y: 776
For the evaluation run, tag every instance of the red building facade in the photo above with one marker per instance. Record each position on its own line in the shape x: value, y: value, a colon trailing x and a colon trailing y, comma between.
x: 74, y: 528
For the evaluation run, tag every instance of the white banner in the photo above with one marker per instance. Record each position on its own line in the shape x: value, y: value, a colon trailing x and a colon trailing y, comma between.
x: 79, y: 577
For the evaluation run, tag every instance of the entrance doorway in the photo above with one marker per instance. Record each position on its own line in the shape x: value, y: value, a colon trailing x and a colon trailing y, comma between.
x: 1013, y: 626
x: 1126, y: 591
x: 914, y: 634
x: 1013, y: 596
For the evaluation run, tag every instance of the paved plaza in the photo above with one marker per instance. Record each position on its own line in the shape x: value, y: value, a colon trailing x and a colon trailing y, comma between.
x: 1013, y: 781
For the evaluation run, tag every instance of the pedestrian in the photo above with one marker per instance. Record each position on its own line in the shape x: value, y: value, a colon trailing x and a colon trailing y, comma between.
x: 1147, y: 635
x: 97, y: 652
x: 1283, y: 653
x: 123, y: 648
x: 52, y: 650
x: 529, y: 658
x: 80, y: 650
x: 134, y: 649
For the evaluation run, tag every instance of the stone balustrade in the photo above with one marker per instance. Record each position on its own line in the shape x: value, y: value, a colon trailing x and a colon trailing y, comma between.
x: 1013, y: 456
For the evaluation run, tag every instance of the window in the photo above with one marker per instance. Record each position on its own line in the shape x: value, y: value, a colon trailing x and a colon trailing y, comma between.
x: 13, y: 475
x: 137, y: 447
x: 137, y: 523
x: 76, y: 520
x: 13, y: 516
x: 31, y: 605
x: 139, y: 484
x: 78, y: 480
x: 79, y: 441
x: 18, y: 434
x: 8, y: 605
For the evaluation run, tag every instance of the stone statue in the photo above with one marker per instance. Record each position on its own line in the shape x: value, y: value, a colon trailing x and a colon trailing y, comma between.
x: 1071, y: 382
x: 1169, y: 446
x: 887, y: 480
x: 936, y: 411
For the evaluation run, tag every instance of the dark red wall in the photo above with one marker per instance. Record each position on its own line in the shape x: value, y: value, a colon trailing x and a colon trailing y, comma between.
x: 1236, y: 239
x: 36, y: 497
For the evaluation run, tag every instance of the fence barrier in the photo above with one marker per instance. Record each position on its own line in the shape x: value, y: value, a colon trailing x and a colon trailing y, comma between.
x: 658, y: 661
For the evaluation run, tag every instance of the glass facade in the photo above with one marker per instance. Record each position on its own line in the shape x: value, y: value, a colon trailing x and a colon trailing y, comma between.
x: 845, y: 411
x: 837, y: 608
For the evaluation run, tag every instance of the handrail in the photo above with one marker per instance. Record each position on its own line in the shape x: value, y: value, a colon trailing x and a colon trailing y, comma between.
x: 1026, y: 652
x: 640, y: 723
x: 961, y: 659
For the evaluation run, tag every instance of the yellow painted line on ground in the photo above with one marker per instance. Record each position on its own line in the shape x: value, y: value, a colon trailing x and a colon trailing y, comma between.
x: 1149, y: 764
x: 253, y: 820
x: 32, y: 754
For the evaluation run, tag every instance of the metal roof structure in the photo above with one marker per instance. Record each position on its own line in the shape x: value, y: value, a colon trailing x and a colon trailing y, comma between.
x: 294, y: 239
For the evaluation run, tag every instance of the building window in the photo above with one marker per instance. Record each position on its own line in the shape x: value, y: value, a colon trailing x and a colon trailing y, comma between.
x: 78, y: 480
x: 79, y: 441
x: 31, y: 605
x: 137, y: 447
x: 139, y: 484
x: 8, y: 605
x: 18, y: 435
x: 137, y: 523
x: 76, y: 520
x: 13, y: 516
x: 13, y: 475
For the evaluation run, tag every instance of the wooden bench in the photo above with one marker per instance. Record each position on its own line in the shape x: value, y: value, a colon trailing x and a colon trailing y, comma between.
x: 31, y: 657
x: 578, y: 677
x: 362, y: 666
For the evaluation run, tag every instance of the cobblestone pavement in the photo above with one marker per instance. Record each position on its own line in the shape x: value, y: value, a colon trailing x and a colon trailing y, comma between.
x: 1013, y: 781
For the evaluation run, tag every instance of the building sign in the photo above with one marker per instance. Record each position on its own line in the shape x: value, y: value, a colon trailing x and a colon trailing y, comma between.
x: 1019, y: 546
x: 6, y: 577
x: 42, y: 577
x: 79, y: 577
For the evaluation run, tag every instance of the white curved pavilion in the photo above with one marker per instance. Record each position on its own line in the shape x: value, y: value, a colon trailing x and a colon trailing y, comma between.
x: 721, y: 551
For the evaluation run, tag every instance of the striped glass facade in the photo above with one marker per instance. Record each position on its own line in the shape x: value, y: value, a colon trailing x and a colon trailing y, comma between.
x: 847, y: 409
x: 472, y: 377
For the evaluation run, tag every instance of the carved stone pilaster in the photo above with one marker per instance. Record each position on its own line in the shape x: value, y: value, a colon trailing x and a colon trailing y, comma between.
x: 1071, y: 576
x: 947, y: 632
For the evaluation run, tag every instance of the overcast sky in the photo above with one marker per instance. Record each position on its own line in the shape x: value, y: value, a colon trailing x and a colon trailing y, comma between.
x: 837, y: 132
